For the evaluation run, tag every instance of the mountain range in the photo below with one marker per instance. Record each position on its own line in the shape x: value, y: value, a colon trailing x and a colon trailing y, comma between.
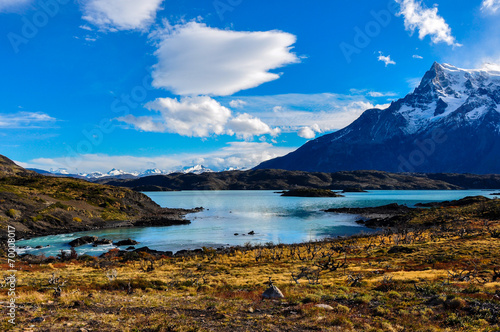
x: 449, y: 124
x: 120, y: 174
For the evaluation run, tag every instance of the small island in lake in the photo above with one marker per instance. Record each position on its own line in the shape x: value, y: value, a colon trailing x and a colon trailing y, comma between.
x: 310, y: 192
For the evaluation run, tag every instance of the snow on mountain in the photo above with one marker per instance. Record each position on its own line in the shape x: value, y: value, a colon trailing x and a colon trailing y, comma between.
x: 59, y: 171
x: 197, y: 169
x: 229, y: 169
x: 449, y: 123
x: 153, y: 171
x: 119, y: 172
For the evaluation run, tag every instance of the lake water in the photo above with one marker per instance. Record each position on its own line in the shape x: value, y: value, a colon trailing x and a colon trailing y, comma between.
x: 273, y: 219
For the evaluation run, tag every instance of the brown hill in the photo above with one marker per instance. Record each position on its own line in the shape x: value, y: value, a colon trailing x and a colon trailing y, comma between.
x: 40, y: 205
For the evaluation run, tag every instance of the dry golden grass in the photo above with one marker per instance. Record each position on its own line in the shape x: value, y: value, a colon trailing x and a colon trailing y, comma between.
x: 418, y: 290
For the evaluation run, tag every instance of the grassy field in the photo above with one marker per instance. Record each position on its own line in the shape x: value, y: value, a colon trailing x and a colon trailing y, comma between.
x: 439, y: 272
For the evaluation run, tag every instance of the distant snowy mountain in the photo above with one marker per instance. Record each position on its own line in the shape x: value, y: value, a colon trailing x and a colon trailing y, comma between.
x: 59, y: 171
x: 117, y: 173
x: 450, y: 123
x: 197, y: 169
x: 153, y: 171
x: 228, y: 169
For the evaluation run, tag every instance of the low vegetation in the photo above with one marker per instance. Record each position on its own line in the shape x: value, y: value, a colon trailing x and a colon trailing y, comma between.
x: 39, y: 205
x: 438, y: 272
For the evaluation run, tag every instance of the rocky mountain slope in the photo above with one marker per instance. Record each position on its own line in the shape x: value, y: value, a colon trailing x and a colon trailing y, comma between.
x: 39, y: 205
x: 284, y: 180
x: 449, y: 124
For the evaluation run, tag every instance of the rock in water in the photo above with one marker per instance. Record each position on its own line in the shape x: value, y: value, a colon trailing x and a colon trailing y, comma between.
x: 83, y: 240
x: 127, y: 242
x: 272, y: 293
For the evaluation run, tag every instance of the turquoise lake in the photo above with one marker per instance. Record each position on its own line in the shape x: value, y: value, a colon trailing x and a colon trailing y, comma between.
x: 273, y: 219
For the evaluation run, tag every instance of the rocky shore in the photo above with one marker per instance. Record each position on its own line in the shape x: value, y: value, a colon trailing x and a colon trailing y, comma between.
x: 395, y: 214
x: 381, y: 216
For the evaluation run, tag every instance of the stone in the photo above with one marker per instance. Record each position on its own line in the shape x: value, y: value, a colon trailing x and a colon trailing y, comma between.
x: 127, y: 242
x: 103, y: 242
x: 83, y: 240
x: 273, y: 292
x: 324, y: 306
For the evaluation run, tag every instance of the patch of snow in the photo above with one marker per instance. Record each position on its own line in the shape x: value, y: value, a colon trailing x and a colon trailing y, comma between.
x: 477, y: 113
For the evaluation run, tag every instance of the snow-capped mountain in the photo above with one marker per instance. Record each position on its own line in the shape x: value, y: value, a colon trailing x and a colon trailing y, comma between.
x: 59, y: 171
x: 117, y: 173
x: 450, y: 123
x: 229, y: 169
x: 197, y: 169
x: 153, y: 171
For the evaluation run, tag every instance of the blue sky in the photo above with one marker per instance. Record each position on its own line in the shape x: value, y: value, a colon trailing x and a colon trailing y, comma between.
x: 94, y: 84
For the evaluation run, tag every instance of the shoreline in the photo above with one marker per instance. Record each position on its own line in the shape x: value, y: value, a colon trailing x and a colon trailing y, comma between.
x: 173, y: 217
x: 376, y: 218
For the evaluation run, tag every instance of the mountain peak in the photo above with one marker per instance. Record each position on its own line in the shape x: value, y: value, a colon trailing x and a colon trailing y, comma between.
x: 449, y: 123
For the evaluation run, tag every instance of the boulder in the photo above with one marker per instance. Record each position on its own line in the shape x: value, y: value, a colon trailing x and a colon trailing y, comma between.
x: 83, y: 240
x: 273, y: 292
x: 127, y: 242
x: 324, y: 306
x: 101, y: 242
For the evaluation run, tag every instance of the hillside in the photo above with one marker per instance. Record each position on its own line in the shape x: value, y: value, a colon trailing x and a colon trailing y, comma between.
x: 283, y: 180
x: 449, y: 124
x: 39, y: 205
x: 438, y: 271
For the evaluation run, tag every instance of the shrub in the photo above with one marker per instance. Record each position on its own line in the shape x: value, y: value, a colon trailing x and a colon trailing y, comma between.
x: 365, y: 299
x: 342, y: 309
x: 13, y: 213
x: 77, y: 219
x: 394, y: 295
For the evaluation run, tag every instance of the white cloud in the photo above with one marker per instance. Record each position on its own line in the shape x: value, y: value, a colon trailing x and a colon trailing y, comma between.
x: 25, y: 120
x: 12, y: 5
x: 490, y: 6
x: 490, y: 66
x: 309, y: 132
x: 426, y: 21
x: 238, y: 103
x: 194, y: 59
x: 191, y: 116
x: 235, y: 154
x: 198, y: 117
x: 376, y: 94
x: 265, y: 115
x: 386, y: 59
x: 413, y: 82
x: 416, y: 56
x: 115, y: 15
x: 292, y: 112
x: 86, y: 27
x: 246, y: 126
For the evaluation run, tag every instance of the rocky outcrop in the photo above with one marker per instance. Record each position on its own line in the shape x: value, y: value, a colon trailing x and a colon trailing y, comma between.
x: 83, y: 241
x: 382, y: 216
x: 461, y: 202
x: 127, y: 242
x: 273, y: 293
